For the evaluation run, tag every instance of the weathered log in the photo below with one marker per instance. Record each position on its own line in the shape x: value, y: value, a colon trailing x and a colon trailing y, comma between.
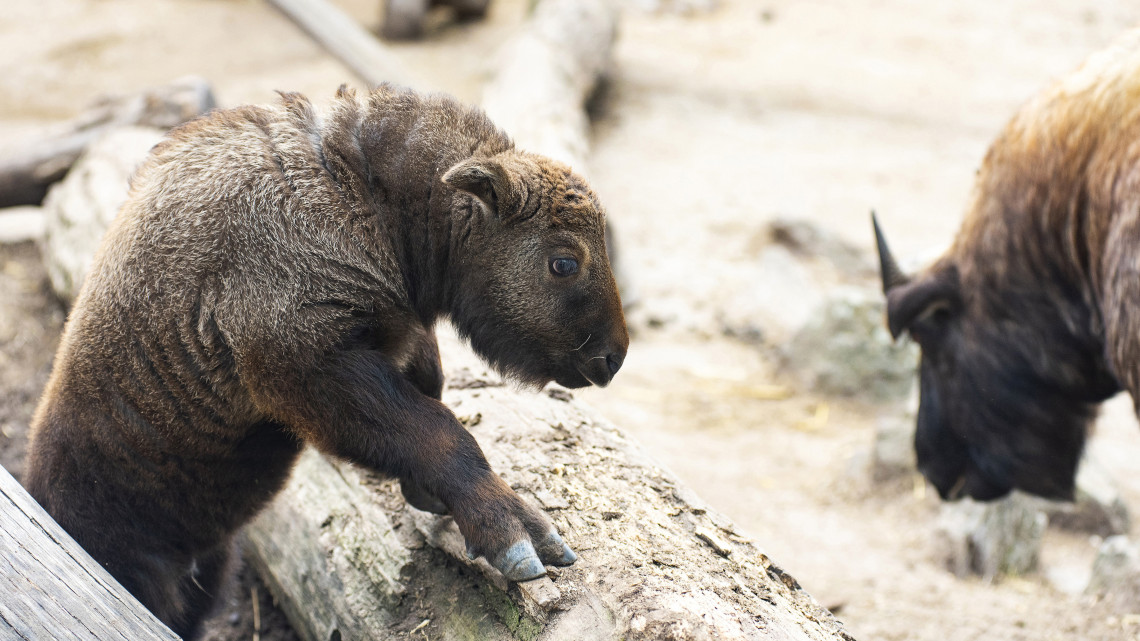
x: 539, y: 90
x: 52, y: 589
x: 346, y: 40
x: 29, y: 167
x: 348, y: 559
x: 80, y: 208
x: 547, y: 72
x: 18, y: 224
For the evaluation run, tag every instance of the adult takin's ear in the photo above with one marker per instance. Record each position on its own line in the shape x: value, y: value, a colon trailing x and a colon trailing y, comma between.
x: 484, y: 178
x: 909, y: 299
x: 918, y: 298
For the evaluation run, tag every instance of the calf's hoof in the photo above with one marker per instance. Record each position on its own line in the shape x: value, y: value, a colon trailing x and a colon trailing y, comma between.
x: 522, y: 562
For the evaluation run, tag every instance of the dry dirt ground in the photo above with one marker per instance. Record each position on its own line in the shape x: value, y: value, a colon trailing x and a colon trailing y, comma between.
x: 712, y: 124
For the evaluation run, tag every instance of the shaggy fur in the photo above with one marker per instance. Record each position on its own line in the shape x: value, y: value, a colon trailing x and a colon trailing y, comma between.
x: 1033, y: 316
x: 273, y: 280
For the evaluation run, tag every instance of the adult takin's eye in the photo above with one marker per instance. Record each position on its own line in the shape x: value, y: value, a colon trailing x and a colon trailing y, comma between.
x: 563, y: 267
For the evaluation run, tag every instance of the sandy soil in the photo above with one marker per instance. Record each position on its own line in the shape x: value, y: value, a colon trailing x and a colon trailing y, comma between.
x: 713, y: 124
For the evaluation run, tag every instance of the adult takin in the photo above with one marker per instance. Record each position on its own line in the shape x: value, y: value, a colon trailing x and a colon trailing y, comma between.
x: 274, y: 280
x: 1032, y: 317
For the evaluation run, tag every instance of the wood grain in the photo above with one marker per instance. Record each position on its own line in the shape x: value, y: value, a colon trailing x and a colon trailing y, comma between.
x: 346, y: 40
x: 51, y: 589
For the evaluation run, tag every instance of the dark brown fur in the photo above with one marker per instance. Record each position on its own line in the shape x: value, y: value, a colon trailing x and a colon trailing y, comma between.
x: 1033, y: 316
x: 273, y: 281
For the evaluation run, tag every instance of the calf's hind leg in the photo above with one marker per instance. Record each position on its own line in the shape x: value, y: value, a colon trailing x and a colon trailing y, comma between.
x: 425, y: 372
x: 205, y: 586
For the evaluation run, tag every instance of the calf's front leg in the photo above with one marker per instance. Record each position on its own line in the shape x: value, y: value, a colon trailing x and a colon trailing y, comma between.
x: 356, y: 405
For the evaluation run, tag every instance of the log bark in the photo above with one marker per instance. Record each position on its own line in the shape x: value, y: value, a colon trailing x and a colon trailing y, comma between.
x: 80, y: 208
x: 547, y: 72
x: 346, y: 40
x: 348, y: 559
x: 29, y: 167
x: 544, y: 78
x: 52, y: 589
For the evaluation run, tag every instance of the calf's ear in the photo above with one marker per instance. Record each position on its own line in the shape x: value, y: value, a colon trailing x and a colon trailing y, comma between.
x: 486, y: 179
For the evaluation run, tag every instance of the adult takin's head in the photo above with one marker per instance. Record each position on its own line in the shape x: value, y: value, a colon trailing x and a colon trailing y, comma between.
x: 1010, y: 374
x: 531, y: 285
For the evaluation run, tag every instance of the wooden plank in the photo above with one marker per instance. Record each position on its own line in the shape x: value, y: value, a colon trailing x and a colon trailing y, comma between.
x: 51, y: 589
x: 346, y: 40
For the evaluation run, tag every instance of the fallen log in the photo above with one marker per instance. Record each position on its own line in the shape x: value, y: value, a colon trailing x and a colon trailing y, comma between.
x: 544, y: 78
x: 347, y: 558
x: 346, y: 40
x: 547, y: 72
x: 52, y: 589
x: 28, y: 167
x: 80, y: 208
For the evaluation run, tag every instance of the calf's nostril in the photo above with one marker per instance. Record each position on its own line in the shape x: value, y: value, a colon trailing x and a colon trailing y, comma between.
x: 614, y: 361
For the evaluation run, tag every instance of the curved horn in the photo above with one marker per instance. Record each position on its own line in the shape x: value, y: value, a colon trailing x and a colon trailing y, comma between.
x: 892, y: 275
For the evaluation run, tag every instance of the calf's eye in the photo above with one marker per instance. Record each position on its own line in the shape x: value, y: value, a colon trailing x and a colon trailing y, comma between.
x: 563, y: 266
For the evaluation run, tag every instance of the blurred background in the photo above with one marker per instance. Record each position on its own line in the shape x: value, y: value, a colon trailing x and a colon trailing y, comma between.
x: 739, y: 146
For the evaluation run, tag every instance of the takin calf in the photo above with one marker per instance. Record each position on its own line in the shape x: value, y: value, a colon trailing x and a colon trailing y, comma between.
x: 1032, y: 317
x: 273, y: 280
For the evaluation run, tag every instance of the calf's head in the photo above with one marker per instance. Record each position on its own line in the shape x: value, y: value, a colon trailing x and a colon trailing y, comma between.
x: 531, y: 283
x: 1009, y: 379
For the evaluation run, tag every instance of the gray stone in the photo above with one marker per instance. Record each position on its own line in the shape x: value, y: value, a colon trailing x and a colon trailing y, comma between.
x: 1099, y: 508
x: 845, y: 349
x: 1116, y: 573
x: 79, y: 209
x: 774, y: 307
x: 678, y: 7
x: 992, y: 539
x: 809, y: 240
x: 18, y: 224
x: 893, y: 455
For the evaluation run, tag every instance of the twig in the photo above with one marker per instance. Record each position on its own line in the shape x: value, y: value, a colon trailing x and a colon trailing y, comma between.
x: 256, y: 613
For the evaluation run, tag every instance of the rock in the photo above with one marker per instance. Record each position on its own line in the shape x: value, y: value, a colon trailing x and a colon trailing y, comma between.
x: 1116, y: 573
x: 992, y: 539
x: 407, y: 19
x: 845, y: 349
x: 1098, y: 509
x: 677, y: 7
x: 18, y: 224
x: 1068, y: 575
x: 774, y: 307
x: 805, y: 238
x: 893, y: 455
x: 79, y: 209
